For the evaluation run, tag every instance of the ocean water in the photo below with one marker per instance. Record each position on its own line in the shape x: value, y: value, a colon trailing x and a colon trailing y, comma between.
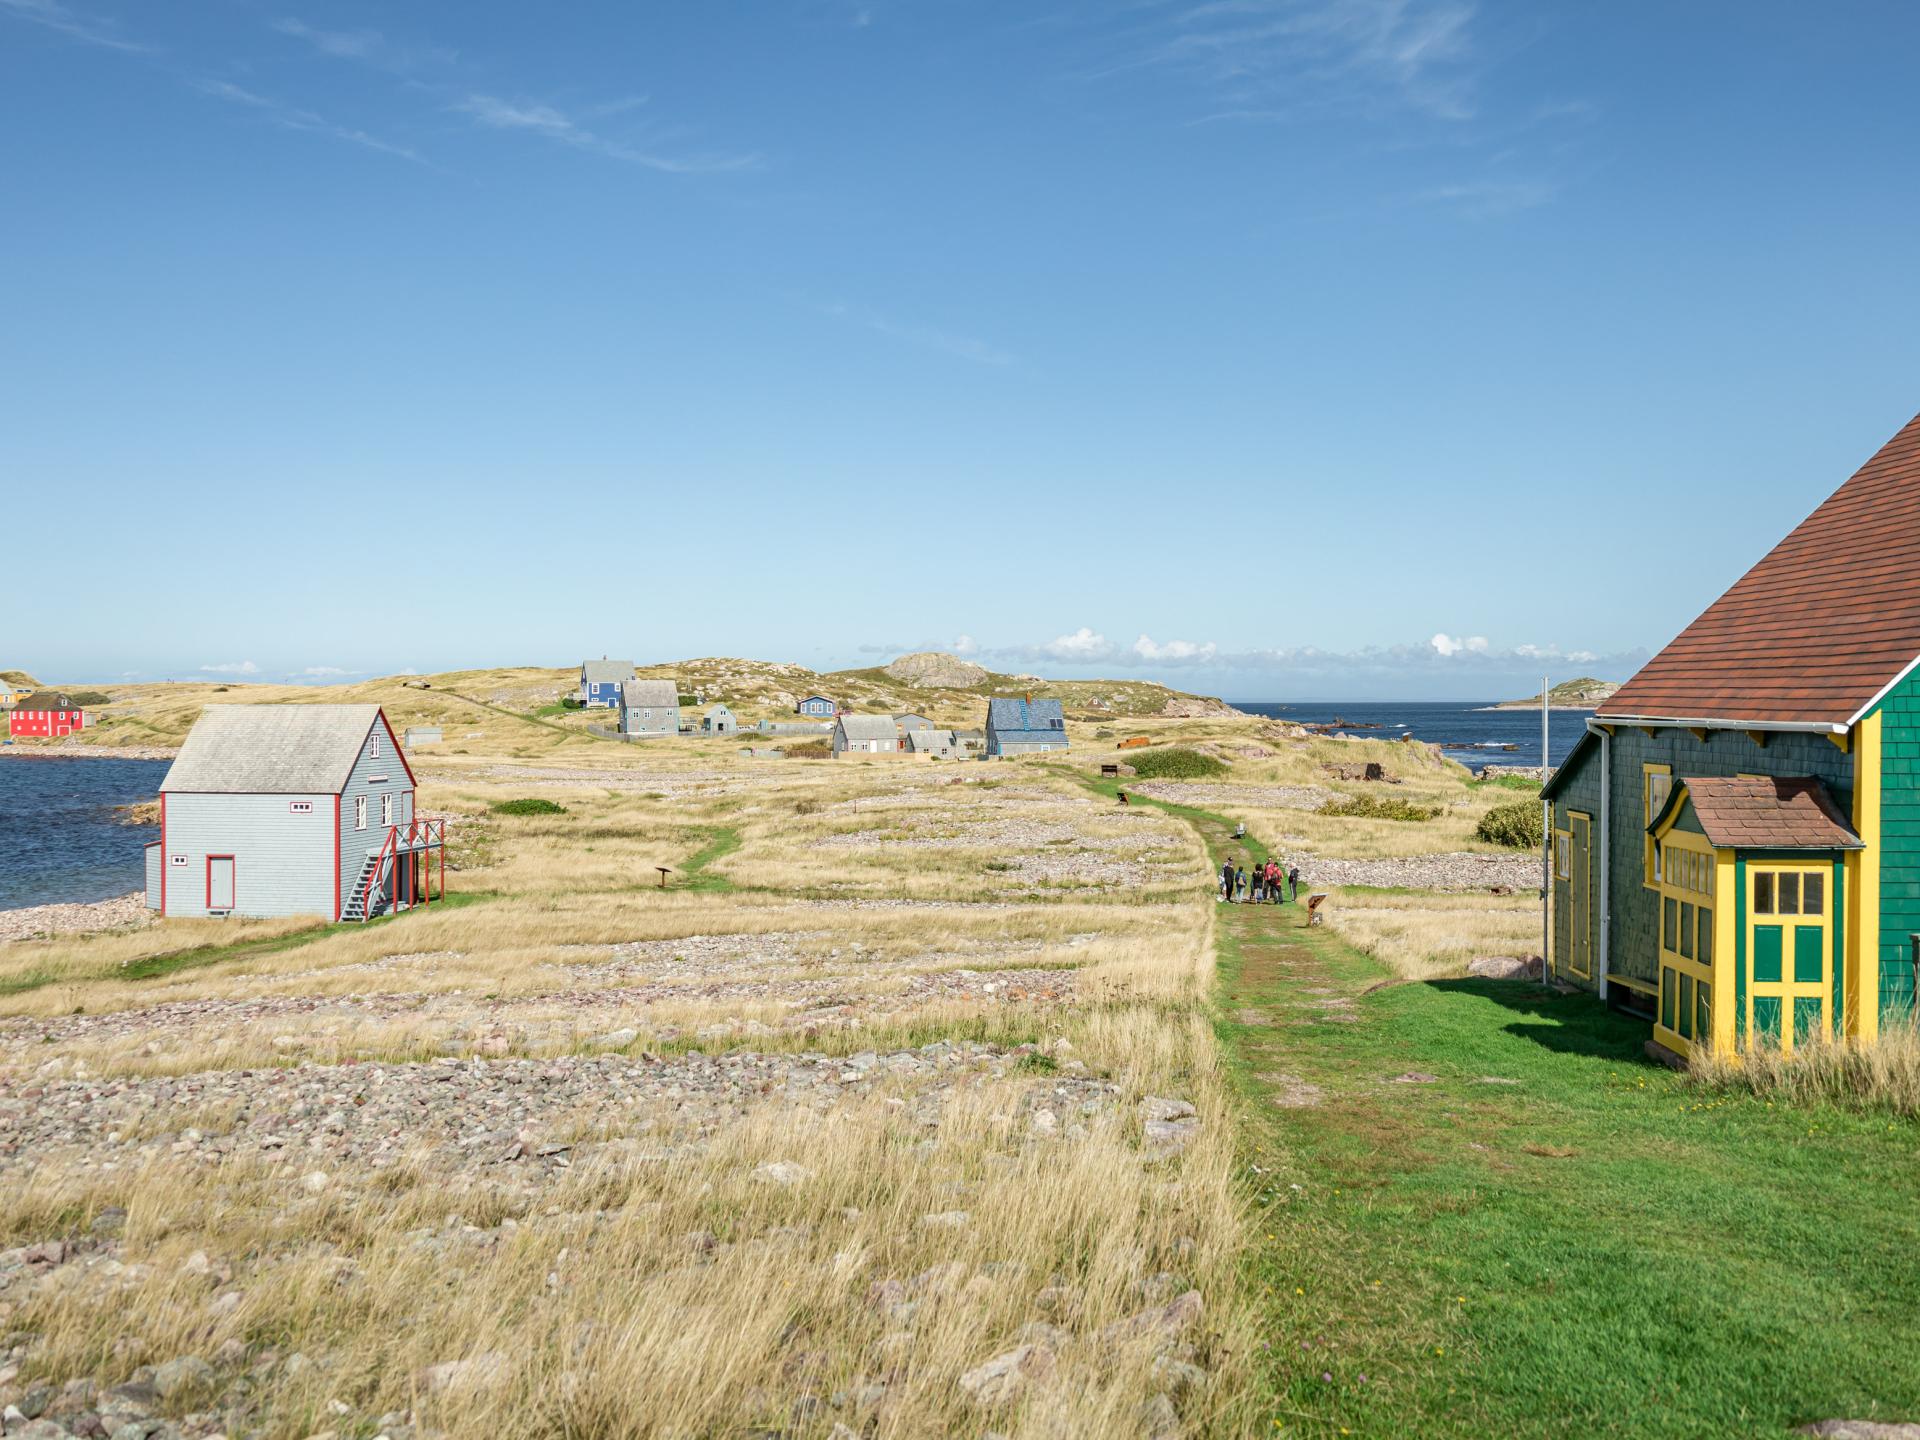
x: 61, y: 840
x: 1471, y: 733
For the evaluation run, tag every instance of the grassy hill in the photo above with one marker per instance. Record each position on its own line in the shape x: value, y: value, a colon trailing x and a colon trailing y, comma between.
x: 517, y: 710
x: 1581, y: 694
x: 19, y: 679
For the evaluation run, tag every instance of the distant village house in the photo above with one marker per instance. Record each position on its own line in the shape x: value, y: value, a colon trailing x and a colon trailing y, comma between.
x: 45, y: 715
x: 1025, y: 727
x: 275, y: 810
x: 865, y: 735
x: 649, y: 707
x: 818, y: 706
x: 601, y: 682
x: 719, y: 720
x: 940, y: 744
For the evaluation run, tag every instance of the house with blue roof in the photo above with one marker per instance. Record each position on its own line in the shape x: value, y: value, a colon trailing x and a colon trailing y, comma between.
x: 1025, y: 726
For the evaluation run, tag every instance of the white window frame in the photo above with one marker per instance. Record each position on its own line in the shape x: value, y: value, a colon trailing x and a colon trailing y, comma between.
x: 373, y: 745
x: 386, y: 808
x: 359, y: 812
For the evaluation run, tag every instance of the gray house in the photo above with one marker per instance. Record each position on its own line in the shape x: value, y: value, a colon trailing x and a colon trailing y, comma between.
x: 941, y: 744
x: 906, y: 724
x: 649, y: 707
x: 1025, y: 726
x: 274, y: 810
x: 601, y: 682
x: 719, y: 721
x: 865, y: 735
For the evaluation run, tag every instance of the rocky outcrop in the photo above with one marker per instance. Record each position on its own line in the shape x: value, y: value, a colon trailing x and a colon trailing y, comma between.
x: 932, y: 670
x: 1194, y: 707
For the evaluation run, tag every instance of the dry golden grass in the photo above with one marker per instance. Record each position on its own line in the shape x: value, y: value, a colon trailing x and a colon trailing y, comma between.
x: 584, y: 1308
x: 1882, y: 1076
x: 1432, y: 936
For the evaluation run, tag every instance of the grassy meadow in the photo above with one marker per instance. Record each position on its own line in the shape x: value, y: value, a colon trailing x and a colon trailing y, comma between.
x: 920, y: 1098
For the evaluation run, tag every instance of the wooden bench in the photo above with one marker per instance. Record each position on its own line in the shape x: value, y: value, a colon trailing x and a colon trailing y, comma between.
x: 1314, y: 902
x: 1113, y: 770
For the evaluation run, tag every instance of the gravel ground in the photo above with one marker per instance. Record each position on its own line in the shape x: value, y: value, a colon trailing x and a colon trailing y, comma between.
x: 1456, y: 871
x: 452, y: 1115
x: 1254, y: 797
x: 33, y: 920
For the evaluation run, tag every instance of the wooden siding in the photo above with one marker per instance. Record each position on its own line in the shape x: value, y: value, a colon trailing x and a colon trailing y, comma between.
x: 355, y: 845
x: 153, y: 875
x: 283, y: 861
x: 1899, y: 847
x: 1580, y: 792
x: 1635, y: 910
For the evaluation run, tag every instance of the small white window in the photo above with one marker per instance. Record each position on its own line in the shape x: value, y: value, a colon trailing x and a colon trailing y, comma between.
x: 373, y: 745
x: 300, y: 807
x: 386, y: 808
x: 359, y: 812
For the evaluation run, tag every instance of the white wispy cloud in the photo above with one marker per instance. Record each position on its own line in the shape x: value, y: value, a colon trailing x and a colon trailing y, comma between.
x: 324, y: 672
x: 292, y: 117
x: 963, y: 347
x: 88, y: 29
x: 339, y: 44
x: 653, y: 150
x: 1491, y: 199
x: 1443, y: 654
x: 1273, y: 59
x: 232, y: 667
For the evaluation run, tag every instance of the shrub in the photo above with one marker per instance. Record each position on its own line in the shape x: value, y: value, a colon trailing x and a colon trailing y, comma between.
x: 569, y: 702
x: 1175, y: 765
x: 808, y: 750
x: 85, y: 698
x: 1378, y: 807
x: 1516, y: 825
x: 1506, y: 782
x: 689, y: 700
x: 528, y: 807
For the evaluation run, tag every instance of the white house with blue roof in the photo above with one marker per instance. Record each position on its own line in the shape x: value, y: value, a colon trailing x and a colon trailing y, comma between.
x: 1025, y: 726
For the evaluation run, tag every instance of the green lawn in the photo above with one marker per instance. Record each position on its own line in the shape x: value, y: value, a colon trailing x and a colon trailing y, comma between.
x: 1548, y: 1236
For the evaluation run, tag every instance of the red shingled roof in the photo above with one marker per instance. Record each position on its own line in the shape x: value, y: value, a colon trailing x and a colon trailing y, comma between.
x: 1819, y: 627
x: 1772, y: 812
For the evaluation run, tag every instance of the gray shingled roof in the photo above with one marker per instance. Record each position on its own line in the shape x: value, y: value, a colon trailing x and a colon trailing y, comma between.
x: 271, y: 749
x: 660, y: 694
x: 601, y: 671
x: 870, y: 727
x: 930, y: 740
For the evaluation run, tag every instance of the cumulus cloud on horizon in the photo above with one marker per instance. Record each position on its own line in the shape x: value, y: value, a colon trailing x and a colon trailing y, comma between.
x: 232, y: 667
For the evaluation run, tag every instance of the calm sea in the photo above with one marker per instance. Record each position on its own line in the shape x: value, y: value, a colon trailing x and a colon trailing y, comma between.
x: 1472, y: 734
x: 63, y: 841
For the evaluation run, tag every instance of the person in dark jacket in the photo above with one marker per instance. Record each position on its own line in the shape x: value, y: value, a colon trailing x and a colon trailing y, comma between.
x: 1293, y: 881
x: 1226, y: 879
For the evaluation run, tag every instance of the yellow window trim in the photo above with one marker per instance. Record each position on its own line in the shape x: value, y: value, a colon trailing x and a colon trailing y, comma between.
x: 1647, y: 773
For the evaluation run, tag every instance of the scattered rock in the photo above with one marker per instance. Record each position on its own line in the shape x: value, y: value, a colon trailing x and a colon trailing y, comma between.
x: 1000, y: 1380
x: 1159, y: 1321
x: 1414, y: 1077
x: 783, y: 1172
x: 1167, y: 1125
x: 1862, y: 1430
x: 462, y: 1374
x: 178, y: 1376
x: 1505, y: 967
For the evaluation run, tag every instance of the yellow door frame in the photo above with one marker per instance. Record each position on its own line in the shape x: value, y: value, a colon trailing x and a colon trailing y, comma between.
x: 1791, y: 992
x: 1691, y: 1013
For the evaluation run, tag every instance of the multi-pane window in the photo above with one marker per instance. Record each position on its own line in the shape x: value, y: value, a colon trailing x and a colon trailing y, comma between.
x: 373, y: 745
x: 1790, y: 893
x: 1563, y: 856
x: 359, y: 812
x: 1657, y: 781
x: 386, y: 808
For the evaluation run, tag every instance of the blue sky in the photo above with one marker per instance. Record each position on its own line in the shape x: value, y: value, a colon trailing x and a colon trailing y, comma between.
x: 1276, y: 348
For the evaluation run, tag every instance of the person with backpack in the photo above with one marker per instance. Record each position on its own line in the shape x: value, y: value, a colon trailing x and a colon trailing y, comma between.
x: 1226, y: 879
x: 1293, y: 879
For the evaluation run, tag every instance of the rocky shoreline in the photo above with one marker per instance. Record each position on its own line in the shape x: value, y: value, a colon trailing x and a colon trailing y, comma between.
x: 32, y: 921
x: 68, y: 750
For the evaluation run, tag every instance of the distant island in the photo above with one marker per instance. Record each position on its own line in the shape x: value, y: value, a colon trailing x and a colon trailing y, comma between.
x: 1583, y: 694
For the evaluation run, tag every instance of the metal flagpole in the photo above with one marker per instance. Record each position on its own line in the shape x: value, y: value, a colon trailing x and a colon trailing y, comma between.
x: 1546, y: 839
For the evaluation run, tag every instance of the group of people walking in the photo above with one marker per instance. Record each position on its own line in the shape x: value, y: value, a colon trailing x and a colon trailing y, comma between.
x: 1266, y: 884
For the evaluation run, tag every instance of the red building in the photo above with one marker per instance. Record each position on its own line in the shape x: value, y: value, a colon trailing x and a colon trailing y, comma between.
x: 45, y: 715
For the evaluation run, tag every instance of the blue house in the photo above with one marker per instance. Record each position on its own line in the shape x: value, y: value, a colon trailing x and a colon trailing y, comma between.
x: 601, y: 682
x: 818, y: 706
x: 1025, y: 726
